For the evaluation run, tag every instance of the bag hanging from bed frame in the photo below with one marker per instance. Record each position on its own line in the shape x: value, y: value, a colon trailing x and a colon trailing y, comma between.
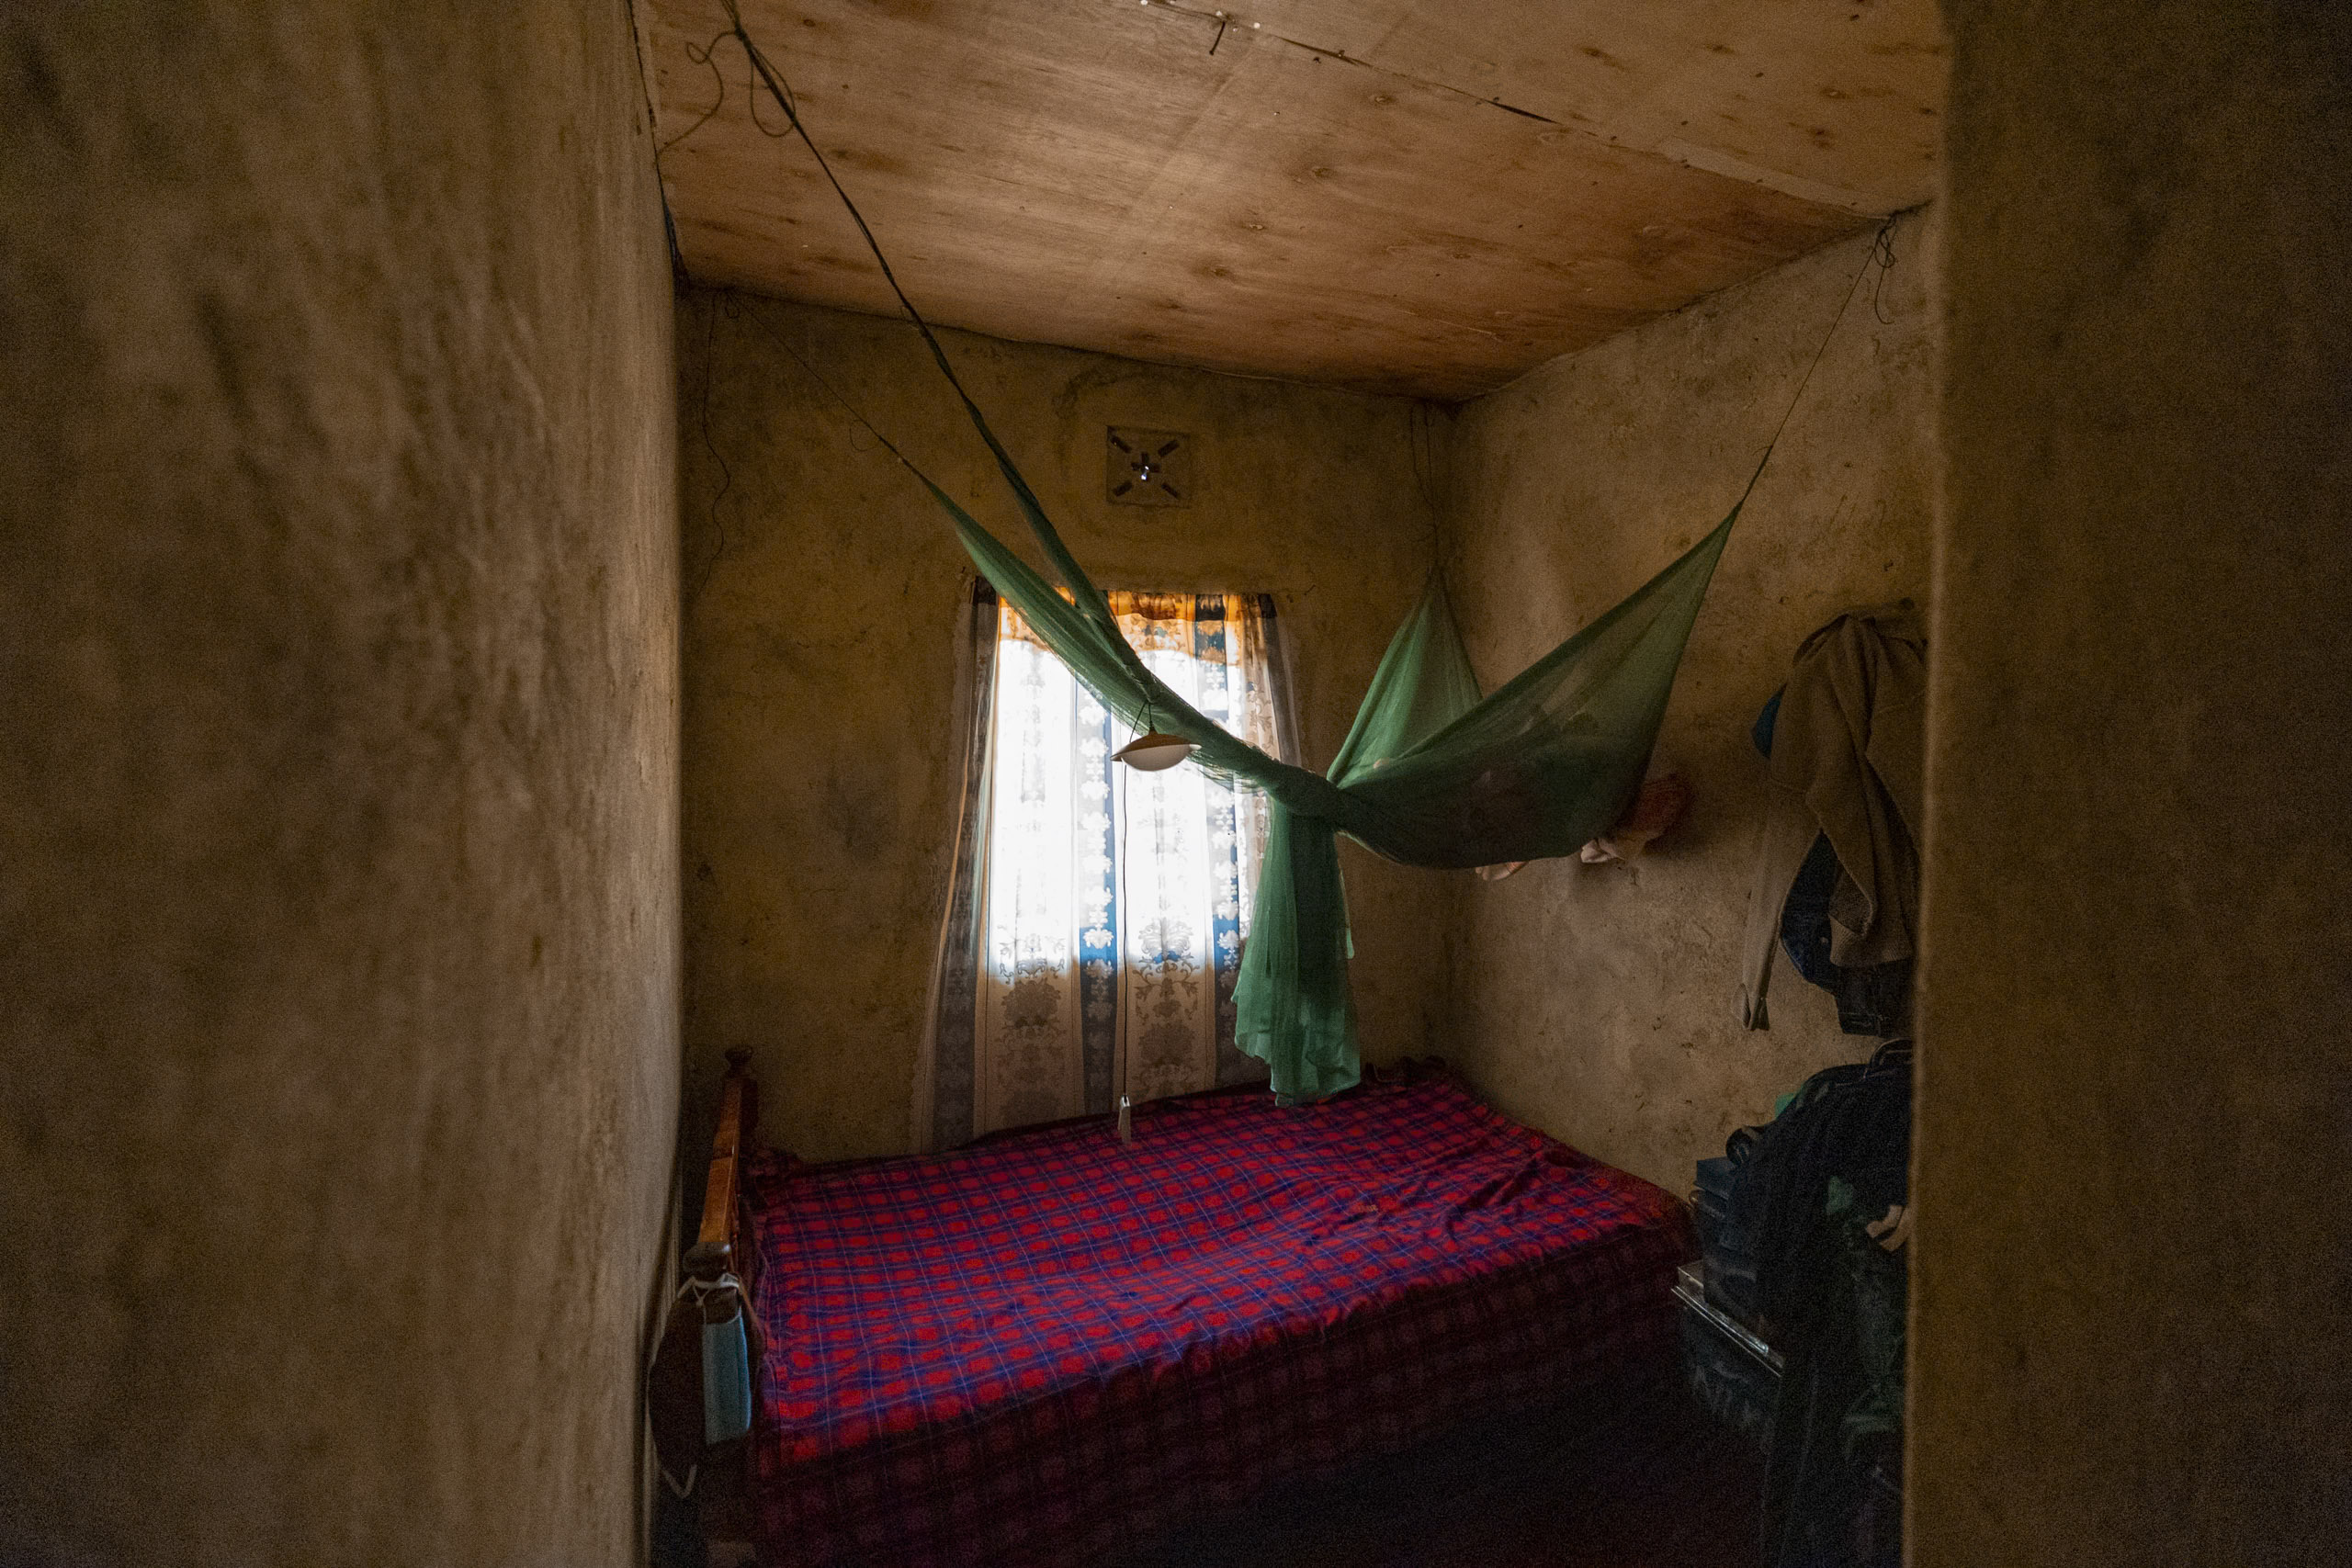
x: 698, y: 1385
x: 726, y: 1371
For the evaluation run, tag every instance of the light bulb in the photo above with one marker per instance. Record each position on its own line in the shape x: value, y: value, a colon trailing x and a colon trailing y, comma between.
x: 1153, y: 750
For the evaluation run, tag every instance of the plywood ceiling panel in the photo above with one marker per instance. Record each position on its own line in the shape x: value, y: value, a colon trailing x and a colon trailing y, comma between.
x: 1840, y: 104
x: 1094, y: 174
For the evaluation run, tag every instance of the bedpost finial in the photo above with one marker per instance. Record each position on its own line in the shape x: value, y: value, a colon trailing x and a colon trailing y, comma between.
x: 738, y: 1058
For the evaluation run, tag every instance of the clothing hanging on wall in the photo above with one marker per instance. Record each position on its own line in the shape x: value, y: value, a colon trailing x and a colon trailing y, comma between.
x: 1847, y: 750
x: 1872, y: 999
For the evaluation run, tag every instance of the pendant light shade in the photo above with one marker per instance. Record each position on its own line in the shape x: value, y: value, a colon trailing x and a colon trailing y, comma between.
x: 1152, y: 751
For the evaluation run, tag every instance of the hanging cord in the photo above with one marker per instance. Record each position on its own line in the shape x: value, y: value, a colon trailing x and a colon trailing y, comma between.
x: 1422, y: 438
x: 1882, y: 251
x: 830, y: 390
x: 781, y: 92
x: 1123, y: 829
x: 1074, y: 578
x: 1880, y: 245
x: 700, y: 55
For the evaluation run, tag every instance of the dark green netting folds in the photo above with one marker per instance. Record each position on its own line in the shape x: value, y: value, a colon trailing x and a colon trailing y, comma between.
x: 1431, y: 775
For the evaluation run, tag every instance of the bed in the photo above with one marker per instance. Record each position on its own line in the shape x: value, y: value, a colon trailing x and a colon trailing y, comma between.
x: 1045, y: 1345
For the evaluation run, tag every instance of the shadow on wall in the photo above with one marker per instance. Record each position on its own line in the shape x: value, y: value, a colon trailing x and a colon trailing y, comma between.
x: 1601, y: 1003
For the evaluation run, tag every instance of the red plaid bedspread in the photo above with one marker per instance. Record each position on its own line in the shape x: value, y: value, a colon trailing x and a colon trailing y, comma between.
x: 1031, y: 1349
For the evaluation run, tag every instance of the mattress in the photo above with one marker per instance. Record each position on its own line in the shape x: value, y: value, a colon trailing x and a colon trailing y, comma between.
x: 1039, y: 1347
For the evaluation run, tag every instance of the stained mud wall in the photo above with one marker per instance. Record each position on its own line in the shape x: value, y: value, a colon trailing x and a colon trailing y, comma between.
x: 338, y: 1052
x: 2131, y: 1300
x: 821, y: 588
x: 1598, y: 1001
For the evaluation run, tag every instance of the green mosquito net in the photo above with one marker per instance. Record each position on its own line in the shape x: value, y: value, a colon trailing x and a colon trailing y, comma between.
x: 1431, y: 774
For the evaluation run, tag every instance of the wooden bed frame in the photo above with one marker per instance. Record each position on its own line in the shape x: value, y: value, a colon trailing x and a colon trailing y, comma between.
x: 721, y: 1484
x: 719, y: 1246
x: 724, y: 1245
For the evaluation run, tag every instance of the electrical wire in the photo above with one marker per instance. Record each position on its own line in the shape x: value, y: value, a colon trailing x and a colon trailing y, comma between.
x: 1883, y: 253
x: 1122, y: 1046
x: 726, y: 474
x: 700, y: 56
x: 782, y: 93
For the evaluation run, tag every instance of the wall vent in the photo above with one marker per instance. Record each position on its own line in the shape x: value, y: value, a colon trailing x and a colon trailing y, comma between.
x: 1148, y: 467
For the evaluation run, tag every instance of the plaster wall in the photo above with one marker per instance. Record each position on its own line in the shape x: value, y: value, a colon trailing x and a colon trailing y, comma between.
x: 338, y: 925
x: 2132, y: 1293
x: 822, y: 586
x: 1599, y: 1003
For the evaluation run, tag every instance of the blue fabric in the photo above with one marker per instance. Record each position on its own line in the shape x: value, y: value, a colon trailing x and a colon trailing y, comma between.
x: 1764, y: 721
x: 1874, y: 999
x: 1852, y: 1122
x: 726, y: 1380
x: 1804, y: 919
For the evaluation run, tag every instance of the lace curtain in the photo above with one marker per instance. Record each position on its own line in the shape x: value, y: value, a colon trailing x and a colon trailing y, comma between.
x: 1103, y: 909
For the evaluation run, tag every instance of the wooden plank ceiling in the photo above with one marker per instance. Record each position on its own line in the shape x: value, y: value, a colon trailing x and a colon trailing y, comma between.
x: 1425, y: 196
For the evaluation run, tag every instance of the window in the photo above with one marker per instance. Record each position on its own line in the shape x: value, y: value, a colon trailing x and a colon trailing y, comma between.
x: 1114, y: 902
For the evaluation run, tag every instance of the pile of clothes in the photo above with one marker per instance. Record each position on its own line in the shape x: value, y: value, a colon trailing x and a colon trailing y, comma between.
x: 1803, y: 1222
x: 1803, y: 1226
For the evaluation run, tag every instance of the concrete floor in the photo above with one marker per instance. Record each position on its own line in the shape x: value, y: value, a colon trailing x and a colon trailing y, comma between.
x: 1644, y: 1479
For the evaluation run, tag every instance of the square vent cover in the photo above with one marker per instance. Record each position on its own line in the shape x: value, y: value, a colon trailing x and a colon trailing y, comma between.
x: 1146, y: 468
